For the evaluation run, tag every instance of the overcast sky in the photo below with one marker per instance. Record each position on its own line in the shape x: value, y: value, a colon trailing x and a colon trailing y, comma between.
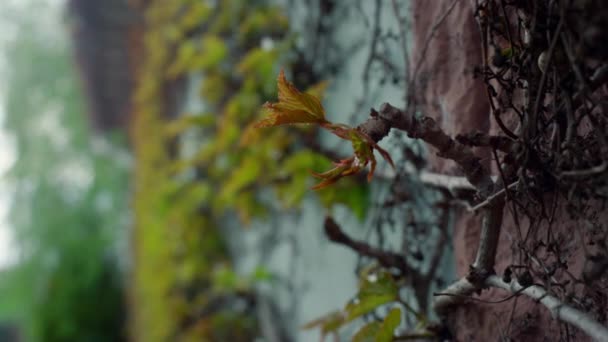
x: 7, y: 153
x: 9, y: 9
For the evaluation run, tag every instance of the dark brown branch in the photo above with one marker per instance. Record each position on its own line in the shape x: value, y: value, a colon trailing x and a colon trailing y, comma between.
x: 385, y: 258
x: 478, y: 139
x: 426, y: 129
x: 540, y: 91
x: 496, y: 196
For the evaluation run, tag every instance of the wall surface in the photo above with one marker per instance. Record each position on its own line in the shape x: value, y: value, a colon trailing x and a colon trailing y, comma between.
x: 460, y: 104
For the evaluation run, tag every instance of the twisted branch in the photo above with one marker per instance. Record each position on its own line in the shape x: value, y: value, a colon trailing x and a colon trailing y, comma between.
x: 426, y: 129
x: 459, y: 291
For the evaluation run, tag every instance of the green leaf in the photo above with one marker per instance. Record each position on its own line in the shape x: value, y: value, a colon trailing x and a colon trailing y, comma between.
x: 263, y: 21
x: 368, y: 332
x: 361, y: 306
x: 245, y: 174
x: 328, y: 323
x: 378, y: 283
x: 194, y: 195
x: 213, y: 52
x: 196, y: 13
x: 295, y: 170
x: 376, y: 289
x: 380, y: 331
x: 248, y: 206
x: 186, y: 53
x: 293, y: 107
x: 261, y: 273
x: 225, y: 279
x: 186, y: 121
x: 214, y: 87
x: 349, y: 192
x: 259, y: 63
x: 390, y: 323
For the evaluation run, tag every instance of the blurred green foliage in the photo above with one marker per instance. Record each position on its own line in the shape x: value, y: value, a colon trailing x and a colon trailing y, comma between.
x: 69, y: 209
x: 68, y: 194
x: 377, y: 288
x: 183, y: 200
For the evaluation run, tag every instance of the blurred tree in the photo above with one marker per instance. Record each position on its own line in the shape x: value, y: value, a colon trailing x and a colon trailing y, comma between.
x: 106, y: 36
x: 68, y: 194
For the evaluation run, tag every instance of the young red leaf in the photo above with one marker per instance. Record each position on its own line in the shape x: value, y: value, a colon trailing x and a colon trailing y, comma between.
x: 382, y: 151
x: 293, y: 107
x: 344, y: 168
x: 384, y: 154
x: 363, y: 147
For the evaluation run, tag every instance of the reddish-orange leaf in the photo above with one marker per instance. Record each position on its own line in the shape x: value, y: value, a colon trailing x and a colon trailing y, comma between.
x: 372, y: 168
x: 294, y: 107
x: 344, y: 168
x: 384, y: 154
x: 363, y: 147
x: 382, y: 151
x: 325, y: 183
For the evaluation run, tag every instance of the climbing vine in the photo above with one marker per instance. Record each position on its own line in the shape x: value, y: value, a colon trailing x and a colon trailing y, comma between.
x: 197, y: 167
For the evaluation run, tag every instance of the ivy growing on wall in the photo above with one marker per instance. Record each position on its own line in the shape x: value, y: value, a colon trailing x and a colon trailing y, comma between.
x: 184, y: 285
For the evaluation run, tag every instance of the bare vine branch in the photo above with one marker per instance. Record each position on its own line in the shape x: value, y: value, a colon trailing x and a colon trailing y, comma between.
x: 559, y: 310
x: 426, y: 129
x: 461, y: 290
x: 386, y: 258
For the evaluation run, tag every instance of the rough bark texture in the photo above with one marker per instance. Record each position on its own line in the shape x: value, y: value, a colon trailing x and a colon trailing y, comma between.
x: 447, y: 92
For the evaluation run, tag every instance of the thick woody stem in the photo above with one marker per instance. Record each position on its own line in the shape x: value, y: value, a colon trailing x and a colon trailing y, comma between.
x: 488, y: 242
x: 481, y: 275
x: 426, y: 129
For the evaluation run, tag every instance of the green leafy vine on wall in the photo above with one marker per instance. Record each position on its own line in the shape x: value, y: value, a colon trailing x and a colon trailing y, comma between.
x: 184, y: 287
